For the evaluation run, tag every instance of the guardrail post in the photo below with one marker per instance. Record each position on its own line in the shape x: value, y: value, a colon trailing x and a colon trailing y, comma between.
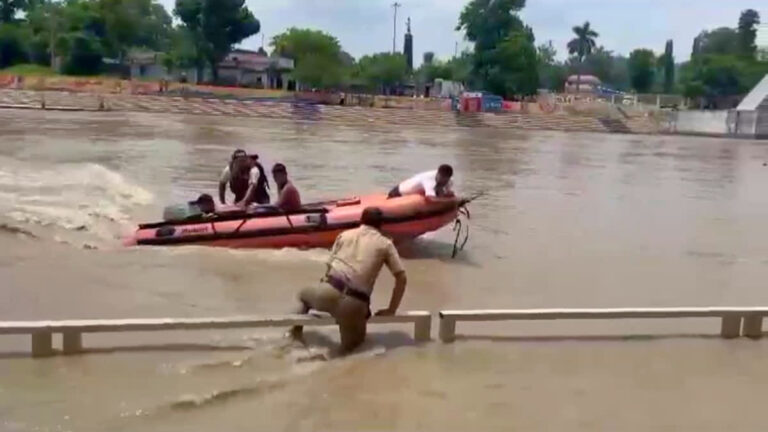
x: 753, y: 326
x: 42, y: 344
x: 447, y: 329
x: 422, y: 328
x: 72, y: 342
x: 731, y: 326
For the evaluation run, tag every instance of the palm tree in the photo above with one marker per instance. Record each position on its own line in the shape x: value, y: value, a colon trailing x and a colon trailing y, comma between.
x: 581, y: 46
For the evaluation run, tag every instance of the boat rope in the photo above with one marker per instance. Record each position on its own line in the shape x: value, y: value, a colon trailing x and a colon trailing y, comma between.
x: 462, y: 223
x: 458, y: 245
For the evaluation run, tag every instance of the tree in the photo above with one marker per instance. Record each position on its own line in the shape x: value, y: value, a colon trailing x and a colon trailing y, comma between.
x: 383, y: 70
x: 552, y: 74
x: 8, y: 9
x: 85, y: 56
x: 217, y: 25
x: 598, y: 63
x: 319, y: 60
x: 723, y: 40
x: 134, y: 23
x: 460, y: 67
x: 667, y: 64
x: 346, y: 59
x: 182, y: 52
x: 747, y: 32
x: 547, y: 52
x: 503, y: 46
x: 696, y: 50
x: 581, y: 46
x: 429, y: 72
x: 12, y: 46
x: 642, y: 65
x: 518, y: 74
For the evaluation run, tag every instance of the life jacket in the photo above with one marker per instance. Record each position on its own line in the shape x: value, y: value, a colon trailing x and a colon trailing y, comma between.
x: 262, y: 185
x: 239, y: 185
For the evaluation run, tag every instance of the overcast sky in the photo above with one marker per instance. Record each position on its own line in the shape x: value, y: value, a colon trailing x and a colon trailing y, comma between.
x: 365, y: 26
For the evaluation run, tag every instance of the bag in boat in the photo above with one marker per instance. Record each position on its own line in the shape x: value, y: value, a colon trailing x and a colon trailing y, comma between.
x: 179, y: 212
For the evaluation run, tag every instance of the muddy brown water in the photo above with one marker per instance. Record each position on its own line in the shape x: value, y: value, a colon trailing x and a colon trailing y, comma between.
x: 571, y: 220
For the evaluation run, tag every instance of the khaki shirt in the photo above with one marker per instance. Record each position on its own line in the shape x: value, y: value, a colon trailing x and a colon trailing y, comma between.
x: 359, y: 254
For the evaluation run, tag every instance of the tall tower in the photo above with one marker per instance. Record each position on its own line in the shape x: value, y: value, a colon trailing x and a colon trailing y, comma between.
x: 408, y: 47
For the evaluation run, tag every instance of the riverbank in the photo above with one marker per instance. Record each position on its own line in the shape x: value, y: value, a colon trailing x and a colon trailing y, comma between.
x: 300, y: 110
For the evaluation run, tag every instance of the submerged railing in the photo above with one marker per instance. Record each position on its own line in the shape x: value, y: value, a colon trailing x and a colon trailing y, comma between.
x: 731, y: 325
x: 735, y: 322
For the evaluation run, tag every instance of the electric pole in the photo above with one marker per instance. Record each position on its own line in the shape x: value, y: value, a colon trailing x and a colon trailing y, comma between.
x: 395, y: 6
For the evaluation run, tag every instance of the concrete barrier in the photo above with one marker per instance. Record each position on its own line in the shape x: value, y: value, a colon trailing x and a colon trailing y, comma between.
x: 730, y: 327
x: 72, y: 331
x: 700, y: 122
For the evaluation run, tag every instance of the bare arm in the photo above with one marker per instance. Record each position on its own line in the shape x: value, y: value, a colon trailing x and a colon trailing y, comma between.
x: 223, y: 192
x: 248, y: 196
x: 398, y: 271
x: 397, y: 295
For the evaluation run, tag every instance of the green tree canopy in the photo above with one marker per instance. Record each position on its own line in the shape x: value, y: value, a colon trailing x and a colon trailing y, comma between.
x: 383, y: 70
x: 505, y: 59
x: 642, y: 69
x: 747, y: 32
x: 12, y: 45
x: 9, y: 8
x: 584, y: 43
x: 722, y: 75
x: 552, y: 74
x: 723, y: 40
x: 85, y: 55
x: 667, y: 65
x: 319, y: 59
x: 217, y: 25
x: 134, y: 23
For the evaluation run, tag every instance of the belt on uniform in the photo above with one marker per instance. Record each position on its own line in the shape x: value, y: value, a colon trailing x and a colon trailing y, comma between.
x: 342, y: 287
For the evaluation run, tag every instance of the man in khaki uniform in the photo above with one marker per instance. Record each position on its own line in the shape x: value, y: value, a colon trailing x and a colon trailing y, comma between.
x: 345, y: 291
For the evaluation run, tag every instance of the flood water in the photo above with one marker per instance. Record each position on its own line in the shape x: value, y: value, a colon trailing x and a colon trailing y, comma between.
x: 571, y: 220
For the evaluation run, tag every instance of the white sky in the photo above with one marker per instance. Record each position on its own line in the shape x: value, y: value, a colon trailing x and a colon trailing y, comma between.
x: 365, y: 26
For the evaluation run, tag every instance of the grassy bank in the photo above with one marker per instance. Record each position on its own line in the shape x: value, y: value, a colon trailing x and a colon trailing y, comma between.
x: 31, y: 70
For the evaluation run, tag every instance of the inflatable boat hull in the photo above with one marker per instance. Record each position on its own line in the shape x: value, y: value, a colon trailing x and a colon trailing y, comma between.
x: 316, y: 226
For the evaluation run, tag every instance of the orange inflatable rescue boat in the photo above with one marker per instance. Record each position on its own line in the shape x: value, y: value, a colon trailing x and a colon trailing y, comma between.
x: 314, y: 226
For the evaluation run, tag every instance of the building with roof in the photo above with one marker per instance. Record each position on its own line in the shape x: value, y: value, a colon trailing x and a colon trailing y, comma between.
x: 239, y: 68
x: 582, y: 84
x: 256, y: 69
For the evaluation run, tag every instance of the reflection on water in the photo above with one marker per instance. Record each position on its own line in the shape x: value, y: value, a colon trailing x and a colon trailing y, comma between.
x: 570, y: 220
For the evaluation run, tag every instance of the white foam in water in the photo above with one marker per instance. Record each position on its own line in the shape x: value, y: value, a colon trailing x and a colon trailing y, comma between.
x: 75, y: 197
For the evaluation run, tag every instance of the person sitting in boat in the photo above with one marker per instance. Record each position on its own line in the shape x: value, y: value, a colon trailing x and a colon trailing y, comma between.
x: 288, y: 196
x: 431, y: 183
x: 246, y: 179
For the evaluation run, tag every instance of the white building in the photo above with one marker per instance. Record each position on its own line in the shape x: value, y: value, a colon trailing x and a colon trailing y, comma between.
x: 762, y: 40
x: 750, y: 118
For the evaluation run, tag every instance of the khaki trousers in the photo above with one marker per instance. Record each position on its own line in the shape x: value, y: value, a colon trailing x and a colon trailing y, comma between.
x: 350, y: 313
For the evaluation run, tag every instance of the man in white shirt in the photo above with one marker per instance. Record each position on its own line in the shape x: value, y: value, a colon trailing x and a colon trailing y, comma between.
x: 431, y: 183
